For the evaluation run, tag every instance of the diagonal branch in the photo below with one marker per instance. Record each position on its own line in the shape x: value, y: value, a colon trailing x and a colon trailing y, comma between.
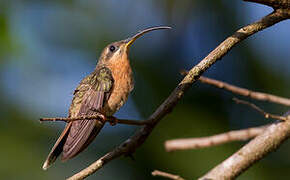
x: 283, y: 4
x: 218, y: 139
x: 246, y: 92
x: 130, y: 145
x: 266, y: 142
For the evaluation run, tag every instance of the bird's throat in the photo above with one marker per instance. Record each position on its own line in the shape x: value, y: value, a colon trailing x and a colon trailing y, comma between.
x: 123, y: 85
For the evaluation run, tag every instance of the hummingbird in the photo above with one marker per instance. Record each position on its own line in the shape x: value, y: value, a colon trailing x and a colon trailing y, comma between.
x: 103, y: 92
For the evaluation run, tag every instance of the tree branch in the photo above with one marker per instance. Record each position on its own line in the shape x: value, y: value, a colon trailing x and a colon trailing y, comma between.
x: 112, y: 120
x: 130, y: 145
x: 266, y: 115
x: 245, y: 92
x: 166, y: 175
x: 266, y: 142
x: 218, y: 139
x: 237, y: 135
x: 282, y: 4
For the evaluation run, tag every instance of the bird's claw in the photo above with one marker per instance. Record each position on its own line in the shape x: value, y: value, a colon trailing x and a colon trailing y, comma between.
x: 113, y: 121
x: 94, y: 109
x: 102, y: 117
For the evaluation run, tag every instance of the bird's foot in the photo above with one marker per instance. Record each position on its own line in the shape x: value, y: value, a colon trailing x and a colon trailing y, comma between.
x: 113, y: 120
x: 102, y: 117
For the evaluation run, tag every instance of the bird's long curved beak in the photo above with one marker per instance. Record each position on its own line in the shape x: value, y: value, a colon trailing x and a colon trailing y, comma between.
x: 130, y: 40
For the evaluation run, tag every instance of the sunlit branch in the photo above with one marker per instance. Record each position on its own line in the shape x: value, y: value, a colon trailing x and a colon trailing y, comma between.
x: 218, y: 139
x: 166, y: 175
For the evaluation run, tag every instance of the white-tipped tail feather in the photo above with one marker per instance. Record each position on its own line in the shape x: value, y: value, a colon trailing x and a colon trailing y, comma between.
x: 45, y: 165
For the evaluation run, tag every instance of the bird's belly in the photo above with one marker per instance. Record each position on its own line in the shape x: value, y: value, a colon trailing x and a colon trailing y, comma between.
x: 119, y: 95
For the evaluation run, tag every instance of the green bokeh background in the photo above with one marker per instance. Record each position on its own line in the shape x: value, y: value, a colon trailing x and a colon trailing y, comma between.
x: 47, y: 47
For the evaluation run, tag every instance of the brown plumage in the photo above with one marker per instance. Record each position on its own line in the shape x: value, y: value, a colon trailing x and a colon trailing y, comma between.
x: 104, y: 91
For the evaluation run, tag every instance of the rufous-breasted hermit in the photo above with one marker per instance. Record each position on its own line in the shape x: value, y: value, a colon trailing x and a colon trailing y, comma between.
x: 103, y: 91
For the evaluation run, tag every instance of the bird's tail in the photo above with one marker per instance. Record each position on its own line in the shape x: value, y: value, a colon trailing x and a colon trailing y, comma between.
x: 69, y: 152
x: 57, y: 148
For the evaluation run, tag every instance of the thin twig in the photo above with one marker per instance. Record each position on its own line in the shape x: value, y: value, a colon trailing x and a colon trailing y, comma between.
x: 242, y: 91
x: 166, y: 175
x: 130, y: 145
x: 218, y: 139
x: 255, y: 107
x: 67, y: 119
x: 245, y: 92
x: 111, y: 120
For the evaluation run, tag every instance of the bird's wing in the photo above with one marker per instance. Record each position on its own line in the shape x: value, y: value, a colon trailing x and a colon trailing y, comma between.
x: 93, y: 100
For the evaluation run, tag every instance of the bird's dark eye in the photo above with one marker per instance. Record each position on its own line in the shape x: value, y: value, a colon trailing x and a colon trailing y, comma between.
x: 112, y: 48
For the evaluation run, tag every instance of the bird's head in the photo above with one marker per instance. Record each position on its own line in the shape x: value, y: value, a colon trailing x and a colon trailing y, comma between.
x: 119, y: 50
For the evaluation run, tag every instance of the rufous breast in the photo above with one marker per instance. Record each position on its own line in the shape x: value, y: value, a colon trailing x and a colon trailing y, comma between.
x: 123, y: 85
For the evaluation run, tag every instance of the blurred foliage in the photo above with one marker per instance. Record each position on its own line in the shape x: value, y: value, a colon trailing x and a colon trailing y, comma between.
x: 47, y: 47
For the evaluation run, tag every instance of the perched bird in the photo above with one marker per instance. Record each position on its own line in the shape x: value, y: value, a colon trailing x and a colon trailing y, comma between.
x: 103, y: 91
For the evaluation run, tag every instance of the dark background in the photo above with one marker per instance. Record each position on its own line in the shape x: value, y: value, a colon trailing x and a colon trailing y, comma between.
x: 47, y: 47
